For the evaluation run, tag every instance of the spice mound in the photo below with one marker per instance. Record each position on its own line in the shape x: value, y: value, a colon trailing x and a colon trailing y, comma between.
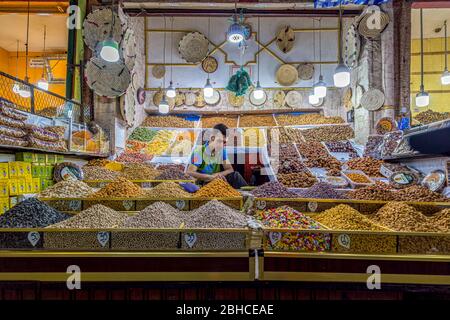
x: 120, y: 188
x: 168, y: 190
x: 97, y: 216
x: 31, y: 213
x: 173, y: 174
x: 273, y: 189
x: 344, y: 217
x: 157, y: 215
x: 99, y: 173
x: 140, y: 171
x: 402, y: 217
x: 321, y: 190
x: 217, y: 189
x: 67, y: 189
x: 215, y: 214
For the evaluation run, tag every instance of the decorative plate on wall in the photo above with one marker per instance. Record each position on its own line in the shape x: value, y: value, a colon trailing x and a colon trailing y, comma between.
x: 190, y: 98
x: 279, y: 99
x: 158, y: 71
x: 214, y: 100
x: 180, y: 99
x: 128, y: 48
x: 287, y: 75
x: 193, y: 47
x: 305, y: 71
x: 199, y: 99
x: 234, y: 100
x: 294, y: 99
x: 367, y: 28
x: 352, y: 47
x: 107, y: 79
x: 372, y: 99
x: 286, y: 39
x: 209, y: 64
x: 128, y: 107
x: 157, y: 97
x: 97, y: 27
x: 257, y: 102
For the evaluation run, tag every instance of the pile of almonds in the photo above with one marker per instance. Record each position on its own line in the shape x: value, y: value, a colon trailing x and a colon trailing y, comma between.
x: 369, y: 166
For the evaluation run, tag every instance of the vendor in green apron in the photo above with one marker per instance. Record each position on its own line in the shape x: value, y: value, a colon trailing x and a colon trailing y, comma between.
x: 210, y: 160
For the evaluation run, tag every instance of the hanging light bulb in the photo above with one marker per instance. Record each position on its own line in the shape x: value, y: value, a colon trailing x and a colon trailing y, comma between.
x: 43, y: 84
x: 258, y: 93
x: 171, y: 93
x: 235, y: 32
x: 110, y: 50
x: 24, y: 90
x: 163, y: 106
x: 320, y: 88
x: 208, y: 90
x: 341, y: 75
x: 313, y: 99
x: 445, y: 78
x: 422, y: 98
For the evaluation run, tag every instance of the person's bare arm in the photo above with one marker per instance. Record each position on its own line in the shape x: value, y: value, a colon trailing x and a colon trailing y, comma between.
x: 192, y: 171
x: 228, y: 168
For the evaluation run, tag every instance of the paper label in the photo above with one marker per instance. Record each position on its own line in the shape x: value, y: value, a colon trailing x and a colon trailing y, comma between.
x: 261, y: 204
x: 128, y: 204
x: 190, y: 239
x: 274, y: 237
x: 344, y: 240
x: 33, y: 237
x: 180, y: 204
x: 312, y: 206
x: 75, y: 205
x: 103, y: 238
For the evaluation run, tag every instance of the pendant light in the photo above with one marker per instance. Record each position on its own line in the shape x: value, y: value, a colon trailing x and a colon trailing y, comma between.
x: 422, y: 98
x: 258, y: 92
x: 445, y: 78
x: 342, y: 73
x: 171, y: 93
x: 24, y: 89
x: 208, y: 90
x: 110, y: 48
x: 312, y: 97
x: 320, y: 88
x: 16, y: 85
x: 235, y: 32
x: 163, y: 106
x: 43, y: 83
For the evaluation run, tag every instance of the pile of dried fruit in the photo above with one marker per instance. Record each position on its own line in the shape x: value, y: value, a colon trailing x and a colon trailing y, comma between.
x: 133, y: 157
x: 291, y: 166
x: 419, y: 193
x: 308, y: 118
x: 379, y: 191
x: 312, y: 150
x: 173, y: 174
x: 160, y: 142
x: 297, y: 180
x: 358, y: 178
x: 342, y: 146
x: 273, y: 189
x: 67, y: 189
x: 134, y: 146
x: 261, y: 120
x: 167, y: 190
x: 167, y: 122
x: 321, y: 190
x: 140, y: 171
x: 373, y: 147
x: 217, y: 189
x: 229, y: 121
x: 369, y: 166
x: 99, y: 173
x: 430, y: 116
x: 285, y: 135
x: 143, y: 134
x: 97, y: 163
x: 328, y: 133
x: 119, y: 188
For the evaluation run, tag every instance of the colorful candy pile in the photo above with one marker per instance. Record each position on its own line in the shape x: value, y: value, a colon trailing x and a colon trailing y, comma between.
x: 286, y: 217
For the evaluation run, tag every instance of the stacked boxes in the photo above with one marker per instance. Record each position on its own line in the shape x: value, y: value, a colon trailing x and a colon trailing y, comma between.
x: 30, y: 173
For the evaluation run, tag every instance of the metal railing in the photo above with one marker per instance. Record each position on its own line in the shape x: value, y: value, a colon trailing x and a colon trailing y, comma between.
x: 41, y: 102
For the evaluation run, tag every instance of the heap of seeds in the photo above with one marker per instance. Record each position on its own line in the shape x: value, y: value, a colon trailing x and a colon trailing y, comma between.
x: 378, y: 191
x: 140, y: 171
x: 215, y: 214
x: 119, y: 188
x: 273, y: 189
x: 99, y: 173
x: 157, y: 215
x: 67, y: 189
x: 173, y: 174
x: 217, y: 189
x: 168, y: 190
x: 321, y: 190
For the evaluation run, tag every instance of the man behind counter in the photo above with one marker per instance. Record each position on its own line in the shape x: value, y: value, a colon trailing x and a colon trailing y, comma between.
x: 210, y: 161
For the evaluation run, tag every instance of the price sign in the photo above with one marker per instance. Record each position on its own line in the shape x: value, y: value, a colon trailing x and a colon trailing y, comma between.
x: 146, y: 184
x: 261, y: 204
x: 312, y: 206
x: 180, y: 204
x: 344, y: 240
x: 75, y: 205
x: 274, y: 237
x: 190, y: 239
x: 128, y: 204
x: 103, y: 238
x: 33, y: 237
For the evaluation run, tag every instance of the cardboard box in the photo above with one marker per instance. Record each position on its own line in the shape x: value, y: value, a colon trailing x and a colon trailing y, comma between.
x: 13, y: 169
x: 29, y: 187
x: 4, y: 188
x: 4, y: 205
x: 27, y: 169
x: 41, y: 158
x: 21, y: 169
x: 36, y: 185
x: 49, y: 171
x: 4, y: 170
x: 13, y: 188
x: 35, y: 170
x: 25, y: 156
x: 22, y: 186
x: 43, y: 184
x: 59, y: 158
x: 12, y: 202
x: 49, y: 182
x: 42, y: 171
x: 50, y: 158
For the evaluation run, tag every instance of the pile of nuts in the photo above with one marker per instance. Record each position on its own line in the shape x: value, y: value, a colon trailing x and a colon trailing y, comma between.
x: 120, y: 188
x: 373, y: 146
x: 256, y: 121
x: 97, y: 163
x: 369, y: 166
x: 173, y: 174
x: 441, y: 220
x: 358, y: 178
x: 229, y: 121
x: 99, y: 173
x: 297, y: 180
x: 419, y: 193
x: 378, y: 191
x: 430, y: 116
x: 140, y: 171
x: 273, y: 189
x: 312, y: 150
x: 215, y: 214
x: 67, y: 189
x: 217, y: 188
x: 157, y: 215
x: 329, y: 133
x: 285, y: 135
x: 167, y: 190
x: 342, y: 146
x: 133, y: 157
x: 167, y: 122
x: 291, y: 166
x: 321, y: 190
x: 308, y: 118
x: 390, y: 143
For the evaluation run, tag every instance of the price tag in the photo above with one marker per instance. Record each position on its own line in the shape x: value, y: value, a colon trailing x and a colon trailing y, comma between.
x: 75, y: 205
x: 103, y: 238
x: 34, y: 237
x: 180, y: 204
x: 274, y: 237
x: 312, y: 206
x: 128, y: 204
x: 261, y: 204
x: 344, y: 240
x: 102, y: 184
x: 190, y: 239
x: 146, y: 184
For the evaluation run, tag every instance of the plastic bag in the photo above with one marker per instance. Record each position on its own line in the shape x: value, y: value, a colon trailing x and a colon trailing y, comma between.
x: 10, y: 122
x: 47, y: 145
x: 11, y: 113
x: 10, y: 141
x: 42, y: 134
x: 12, y: 132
